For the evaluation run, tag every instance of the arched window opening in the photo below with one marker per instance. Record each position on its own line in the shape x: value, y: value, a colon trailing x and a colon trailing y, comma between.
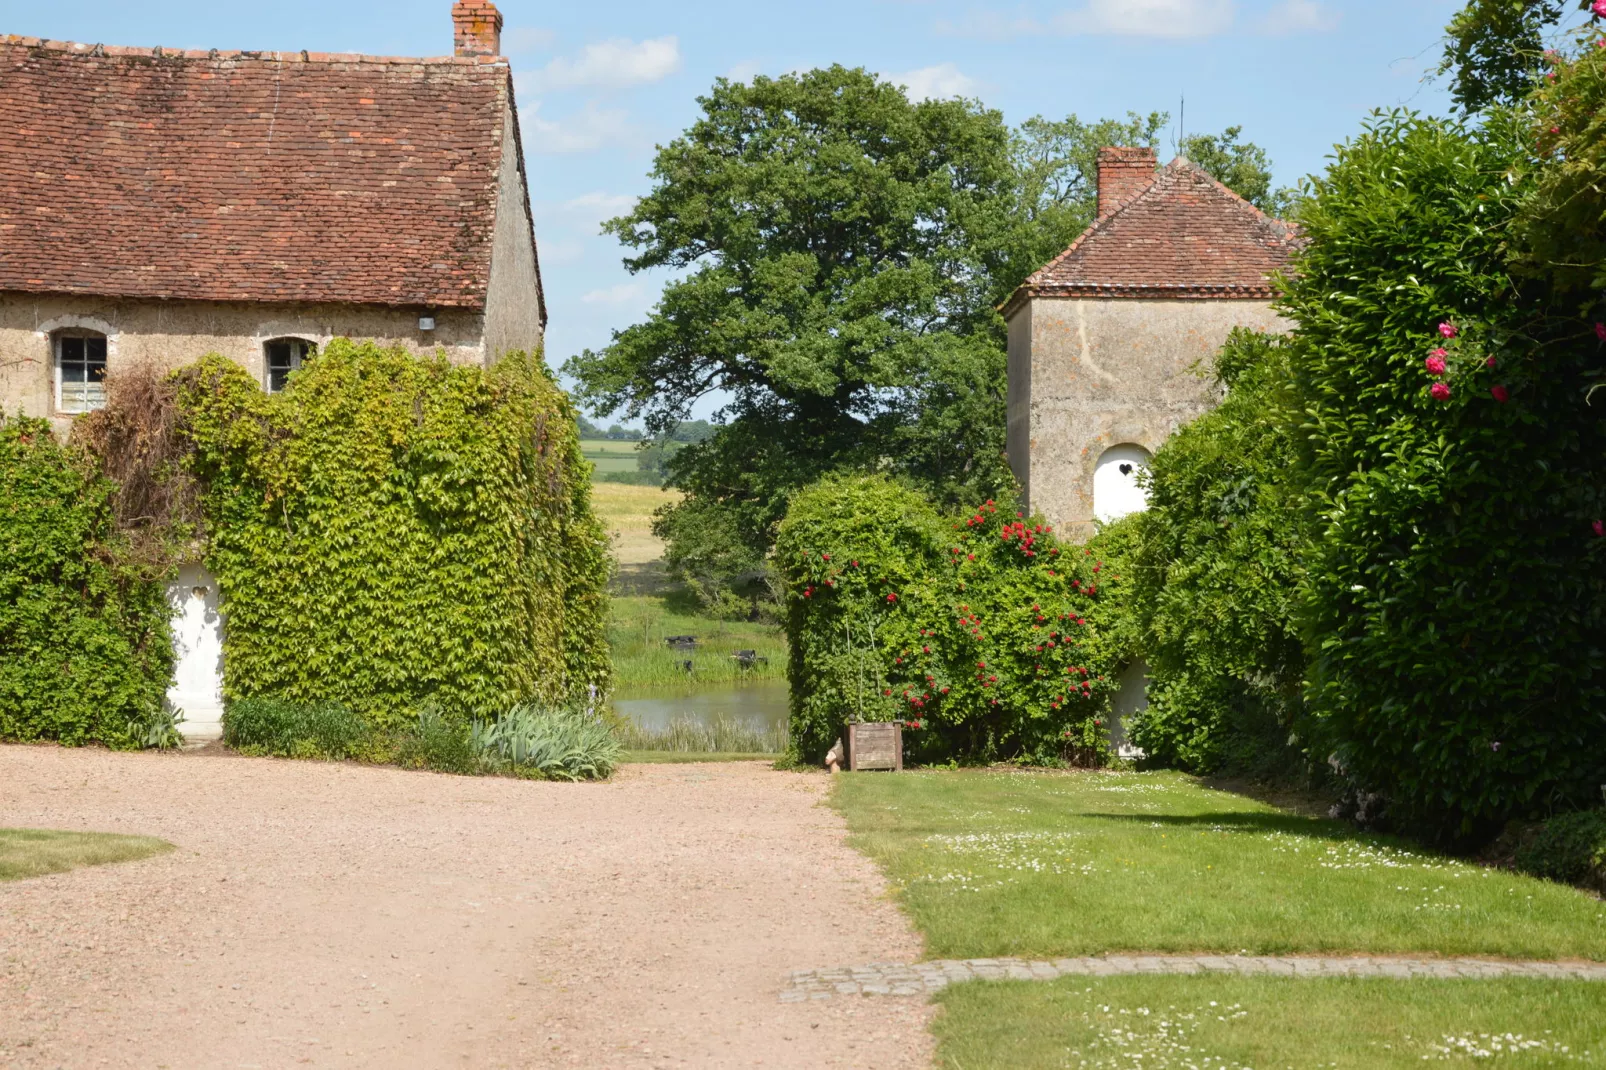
x: 284, y: 355
x: 1116, y: 492
x: 80, y: 370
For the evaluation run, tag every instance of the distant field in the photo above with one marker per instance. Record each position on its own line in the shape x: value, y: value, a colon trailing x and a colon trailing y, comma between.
x: 609, y: 456
x: 627, y: 511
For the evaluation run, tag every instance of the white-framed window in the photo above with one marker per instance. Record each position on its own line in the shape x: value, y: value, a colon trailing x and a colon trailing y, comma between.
x: 283, y: 356
x: 80, y: 370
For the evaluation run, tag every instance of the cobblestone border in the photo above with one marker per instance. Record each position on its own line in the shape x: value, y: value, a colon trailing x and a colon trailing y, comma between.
x: 922, y: 978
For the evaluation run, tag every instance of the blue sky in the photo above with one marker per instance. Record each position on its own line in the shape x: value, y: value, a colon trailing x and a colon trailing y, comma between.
x: 601, y: 83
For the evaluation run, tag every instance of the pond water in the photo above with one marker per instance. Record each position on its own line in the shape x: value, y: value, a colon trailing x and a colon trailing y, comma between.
x: 761, y: 704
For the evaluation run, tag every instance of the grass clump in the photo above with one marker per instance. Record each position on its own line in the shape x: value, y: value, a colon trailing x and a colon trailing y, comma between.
x: 529, y: 740
x: 721, y: 735
x: 993, y: 863
x: 36, y: 852
x: 1232, y: 1023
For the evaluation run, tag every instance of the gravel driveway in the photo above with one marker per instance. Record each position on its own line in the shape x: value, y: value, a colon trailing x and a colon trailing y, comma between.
x: 336, y: 915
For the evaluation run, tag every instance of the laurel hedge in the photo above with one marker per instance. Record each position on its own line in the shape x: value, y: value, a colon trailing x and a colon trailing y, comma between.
x: 86, y: 649
x: 391, y: 530
x: 972, y: 630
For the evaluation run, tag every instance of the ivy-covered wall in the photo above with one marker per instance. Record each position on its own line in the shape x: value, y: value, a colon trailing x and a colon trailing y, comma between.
x: 85, y: 646
x: 390, y: 531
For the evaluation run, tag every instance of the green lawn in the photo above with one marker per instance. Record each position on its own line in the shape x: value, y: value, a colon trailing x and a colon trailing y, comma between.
x: 36, y: 852
x: 639, y: 624
x: 993, y: 863
x: 1226, y: 1023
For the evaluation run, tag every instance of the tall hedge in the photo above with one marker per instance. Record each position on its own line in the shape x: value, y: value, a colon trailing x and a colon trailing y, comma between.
x: 390, y: 530
x: 1455, y: 586
x: 1216, y: 575
x: 974, y: 628
x: 85, y: 647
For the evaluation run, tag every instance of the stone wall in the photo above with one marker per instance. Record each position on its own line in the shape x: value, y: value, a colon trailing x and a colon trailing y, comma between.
x: 173, y: 333
x: 1088, y: 374
x: 512, y: 300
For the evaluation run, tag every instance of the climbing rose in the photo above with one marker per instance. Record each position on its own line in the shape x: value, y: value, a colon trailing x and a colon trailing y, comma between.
x: 1598, y: 9
x: 1500, y: 393
x: 1436, y: 365
x: 1440, y: 391
x: 1600, y: 331
x: 1489, y: 363
x: 1441, y: 353
x: 1448, y: 330
x: 1599, y: 527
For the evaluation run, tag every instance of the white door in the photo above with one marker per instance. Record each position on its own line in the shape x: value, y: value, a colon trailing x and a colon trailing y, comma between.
x: 198, y: 653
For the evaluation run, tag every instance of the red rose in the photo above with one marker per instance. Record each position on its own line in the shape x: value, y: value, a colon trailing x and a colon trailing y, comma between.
x: 1440, y: 391
x: 1500, y: 394
x: 1599, y: 527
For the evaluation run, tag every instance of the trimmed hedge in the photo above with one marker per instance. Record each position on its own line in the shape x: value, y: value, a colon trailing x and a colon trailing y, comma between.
x: 1455, y: 592
x: 86, y: 650
x: 391, y: 530
x: 973, y: 629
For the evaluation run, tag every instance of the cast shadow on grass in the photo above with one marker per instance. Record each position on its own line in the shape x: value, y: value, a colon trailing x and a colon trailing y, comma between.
x: 1309, y: 828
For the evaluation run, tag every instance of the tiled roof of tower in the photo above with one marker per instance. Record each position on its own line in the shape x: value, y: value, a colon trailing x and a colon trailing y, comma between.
x: 248, y: 176
x: 1184, y: 235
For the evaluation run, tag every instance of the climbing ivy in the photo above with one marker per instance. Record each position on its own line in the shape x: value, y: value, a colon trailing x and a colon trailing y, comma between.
x: 390, y: 530
x: 85, y: 647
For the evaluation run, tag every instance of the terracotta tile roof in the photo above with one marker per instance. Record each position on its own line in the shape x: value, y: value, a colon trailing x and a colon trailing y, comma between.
x: 252, y: 176
x: 1185, y: 235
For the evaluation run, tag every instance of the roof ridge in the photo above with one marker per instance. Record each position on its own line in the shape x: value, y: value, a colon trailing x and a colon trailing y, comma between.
x: 1183, y: 162
x: 98, y: 51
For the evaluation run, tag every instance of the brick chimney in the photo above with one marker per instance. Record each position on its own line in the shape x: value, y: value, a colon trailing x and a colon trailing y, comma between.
x: 1123, y: 173
x: 476, y: 28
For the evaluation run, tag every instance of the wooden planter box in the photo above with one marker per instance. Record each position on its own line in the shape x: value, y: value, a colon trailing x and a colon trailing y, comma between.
x: 875, y: 746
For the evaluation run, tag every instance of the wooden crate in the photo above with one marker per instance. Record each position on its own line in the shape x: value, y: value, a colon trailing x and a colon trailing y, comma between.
x: 875, y: 746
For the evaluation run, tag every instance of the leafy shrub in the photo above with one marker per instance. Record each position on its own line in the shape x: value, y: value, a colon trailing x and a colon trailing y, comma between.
x: 1455, y: 588
x: 86, y: 649
x: 1570, y: 849
x: 392, y: 530
x: 1215, y: 577
x: 290, y: 729
x: 976, y: 629
x: 530, y: 739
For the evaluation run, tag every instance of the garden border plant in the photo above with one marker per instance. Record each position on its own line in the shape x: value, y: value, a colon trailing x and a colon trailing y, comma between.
x: 974, y: 631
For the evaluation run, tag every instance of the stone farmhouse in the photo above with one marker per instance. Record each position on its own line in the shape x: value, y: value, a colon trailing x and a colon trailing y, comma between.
x: 158, y: 206
x: 1106, y: 341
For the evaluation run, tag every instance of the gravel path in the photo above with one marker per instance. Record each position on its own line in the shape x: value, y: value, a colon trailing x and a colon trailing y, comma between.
x: 923, y: 978
x: 335, y: 915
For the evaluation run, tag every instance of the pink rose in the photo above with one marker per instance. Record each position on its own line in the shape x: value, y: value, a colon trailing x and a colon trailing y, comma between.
x: 1599, y: 527
x: 1500, y: 394
x: 1440, y: 391
x: 1598, y: 9
x: 1600, y: 331
x: 1448, y: 330
x: 1489, y: 363
x: 1436, y: 365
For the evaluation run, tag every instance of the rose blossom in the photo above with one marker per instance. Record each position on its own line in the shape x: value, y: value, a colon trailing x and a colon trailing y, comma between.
x: 1448, y: 329
x: 1435, y: 365
x: 1500, y: 394
x: 1440, y: 391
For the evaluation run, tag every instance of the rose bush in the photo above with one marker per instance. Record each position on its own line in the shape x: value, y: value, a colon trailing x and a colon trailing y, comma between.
x: 977, y: 627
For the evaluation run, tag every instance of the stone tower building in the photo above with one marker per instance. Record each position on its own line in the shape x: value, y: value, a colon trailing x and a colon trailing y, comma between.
x: 1106, y: 342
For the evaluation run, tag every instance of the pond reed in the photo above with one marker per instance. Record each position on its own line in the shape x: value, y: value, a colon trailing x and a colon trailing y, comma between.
x: 722, y: 735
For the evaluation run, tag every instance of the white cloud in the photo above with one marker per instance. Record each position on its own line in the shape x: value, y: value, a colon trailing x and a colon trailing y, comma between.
x: 585, y: 131
x: 615, y: 64
x: 744, y: 71
x: 625, y: 293
x: 521, y: 39
x: 1300, y: 16
x: 1149, y: 18
x: 936, y: 83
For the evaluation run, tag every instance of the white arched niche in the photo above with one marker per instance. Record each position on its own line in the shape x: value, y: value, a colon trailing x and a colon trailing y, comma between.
x: 1116, y: 492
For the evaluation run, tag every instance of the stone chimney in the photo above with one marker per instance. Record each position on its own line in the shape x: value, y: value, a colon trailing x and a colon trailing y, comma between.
x: 1123, y: 173
x: 476, y: 28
